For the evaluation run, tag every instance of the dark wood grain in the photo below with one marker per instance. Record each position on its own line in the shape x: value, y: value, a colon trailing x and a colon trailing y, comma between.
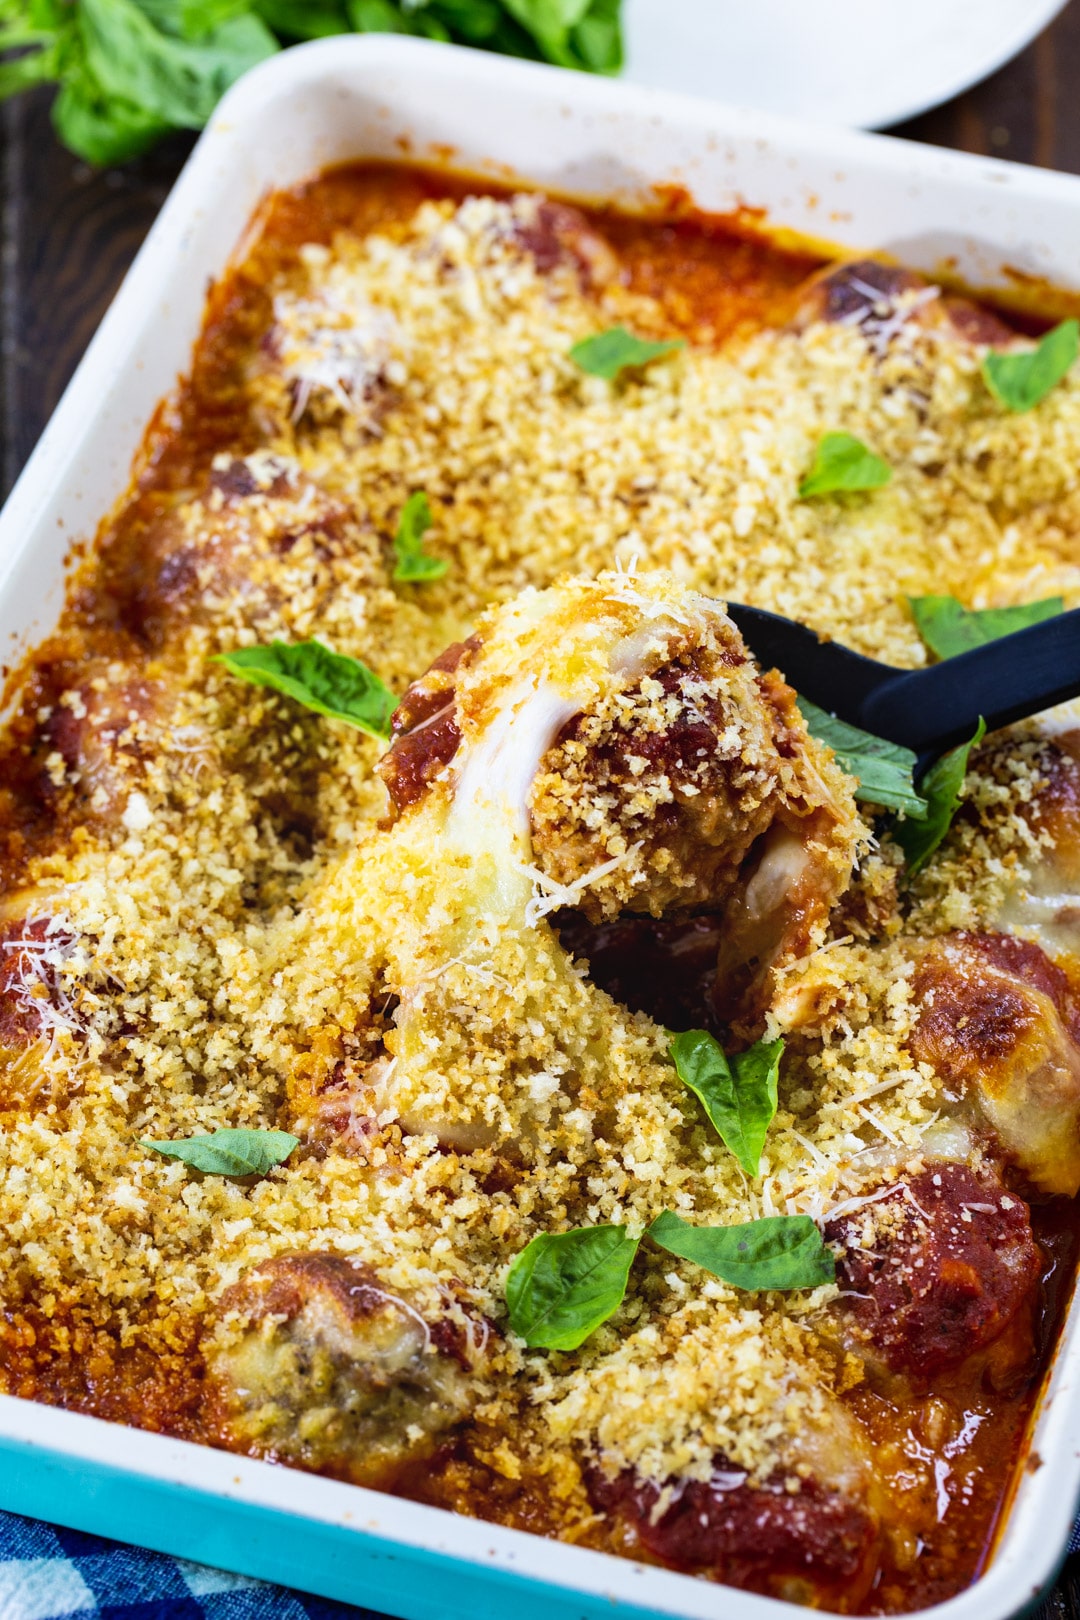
x: 68, y: 234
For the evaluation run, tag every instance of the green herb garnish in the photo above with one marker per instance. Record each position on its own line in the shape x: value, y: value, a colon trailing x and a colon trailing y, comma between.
x: 949, y: 628
x: 610, y: 353
x: 884, y: 770
x: 842, y: 462
x: 230, y: 1153
x: 564, y: 1284
x: 414, y: 566
x: 129, y: 71
x: 328, y: 682
x: 1021, y: 380
x: 941, y: 784
x: 777, y: 1251
x: 738, y: 1093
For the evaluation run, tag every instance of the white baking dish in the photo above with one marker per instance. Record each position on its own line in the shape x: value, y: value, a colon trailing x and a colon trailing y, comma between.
x: 386, y: 97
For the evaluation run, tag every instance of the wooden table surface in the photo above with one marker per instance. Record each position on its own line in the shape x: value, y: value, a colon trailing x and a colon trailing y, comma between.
x: 67, y: 234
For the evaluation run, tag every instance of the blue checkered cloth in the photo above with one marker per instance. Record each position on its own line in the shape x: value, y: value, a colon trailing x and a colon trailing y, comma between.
x: 51, y: 1574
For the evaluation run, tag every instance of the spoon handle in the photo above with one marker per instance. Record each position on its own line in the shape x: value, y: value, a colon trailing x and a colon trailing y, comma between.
x: 930, y: 710
x: 826, y: 672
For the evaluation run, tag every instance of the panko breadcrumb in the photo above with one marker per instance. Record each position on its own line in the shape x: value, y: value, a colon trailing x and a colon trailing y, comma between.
x: 248, y: 943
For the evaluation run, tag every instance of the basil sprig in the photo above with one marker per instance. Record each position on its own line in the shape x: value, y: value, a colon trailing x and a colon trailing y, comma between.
x: 843, y: 462
x: 737, y: 1093
x: 941, y: 784
x: 414, y: 566
x: 777, y: 1251
x: 949, y: 628
x: 565, y: 1284
x: 230, y: 1152
x: 328, y: 682
x: 129, y: 71
x: 1020, y: 380
x: 610, y: 353
x: 884, y: 770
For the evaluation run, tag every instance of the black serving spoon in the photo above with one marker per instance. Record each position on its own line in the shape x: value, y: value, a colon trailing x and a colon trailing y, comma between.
x: 927, y: 710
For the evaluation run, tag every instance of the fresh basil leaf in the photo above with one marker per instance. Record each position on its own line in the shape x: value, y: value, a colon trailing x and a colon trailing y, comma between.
x: 506, y: 36
x: 303, y: 19
x: 941, y: 784
x: 883, y: 769
x: 101, y: 129
x: 46, y: 35
x: 842, y: 462
x: 166, y: 15
x: 34, y: 67
x: 564, y: 1284
x: 30, y: 22
x: 949, y: 628
x: 173, y: 80
x: 549, y: 21
x: 473, y: 22
x: 328, y: 682
x: 738, y: 1094
x: 33, y: 14
x: 142, y: 67
x: 17, y: 32
x: 1021, y: 380
x: 385, y: 17
x: 597, y: 39
x: 413, y: 563
x: 230, y: 1153
x: 777, y: 1251
x: 200, y: 18
x: 610, y: 353
x: 552, y: 24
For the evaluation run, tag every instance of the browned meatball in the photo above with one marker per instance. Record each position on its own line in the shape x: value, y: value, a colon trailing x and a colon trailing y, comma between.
x: 1000, y: 1024
x: 667, y: 775
x: 315, y: 1363
x: 101, y: 725
x: 812, y: 1544
x: 424, y: 728
x: 225, y: 547
x: 32, y: 996
x: 1055, y: 808
x: 554, y: 234
x: 705, y: 769
x: 1046, y: 896
x: 940, y: 1269
x: 880, y: 299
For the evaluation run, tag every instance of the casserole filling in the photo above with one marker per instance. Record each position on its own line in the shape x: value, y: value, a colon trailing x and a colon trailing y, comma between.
x: 593, y: 940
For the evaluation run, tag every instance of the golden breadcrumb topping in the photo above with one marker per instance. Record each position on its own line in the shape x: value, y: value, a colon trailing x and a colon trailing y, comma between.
x: 240, y: 938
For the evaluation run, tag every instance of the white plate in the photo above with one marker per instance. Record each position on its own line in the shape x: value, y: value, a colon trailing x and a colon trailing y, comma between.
x: 866, y: 63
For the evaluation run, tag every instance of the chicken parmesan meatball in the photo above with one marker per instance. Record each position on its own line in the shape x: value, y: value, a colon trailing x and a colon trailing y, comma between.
x: 43, y: 1029
x: 999, y: 1023
x: 880, y: 300
x: 99, y: 722
x: 941, y: 1268
x: 555, y: 235
x: 33, y: 997
x: 424, y: 730
x: 229, y: 549
x: 1047, y: 898
x: 670, y: 775
x: 809, y: 1532
x: 692, y: 765
x: 313, y: 1362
